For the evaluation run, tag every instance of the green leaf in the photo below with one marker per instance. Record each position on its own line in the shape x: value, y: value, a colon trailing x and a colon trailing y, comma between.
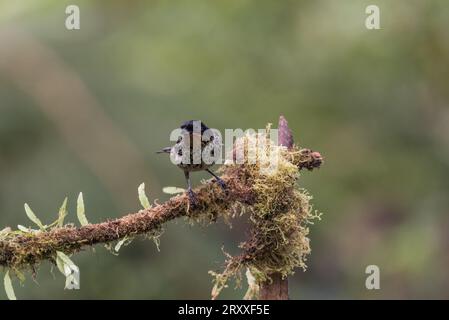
x: 33, y: 217
x: 119, y: 244
x: 60, y: 264
x: 4, y: 233
x: 5, y: 230
x: 143, y: 197
x: 80, y: 210
x: 62, y: 213
x: 24, y: 229
x: 173, y: 190
x: 8, y: 287
x: 67, y: 268
x: 64, y: 258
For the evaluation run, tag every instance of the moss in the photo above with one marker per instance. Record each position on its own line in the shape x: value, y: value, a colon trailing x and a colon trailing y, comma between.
x: 279, y: 215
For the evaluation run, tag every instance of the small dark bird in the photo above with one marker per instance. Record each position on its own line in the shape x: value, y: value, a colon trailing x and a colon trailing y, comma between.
x: 195, y: 137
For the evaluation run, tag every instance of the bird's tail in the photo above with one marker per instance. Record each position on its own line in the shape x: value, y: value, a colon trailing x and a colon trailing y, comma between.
x: 165, y: 150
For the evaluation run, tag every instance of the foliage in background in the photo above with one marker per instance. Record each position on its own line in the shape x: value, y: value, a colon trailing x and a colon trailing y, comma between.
x: 376, y: 101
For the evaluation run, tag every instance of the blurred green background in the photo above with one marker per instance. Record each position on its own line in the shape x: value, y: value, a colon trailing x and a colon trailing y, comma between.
x: 85, y: 110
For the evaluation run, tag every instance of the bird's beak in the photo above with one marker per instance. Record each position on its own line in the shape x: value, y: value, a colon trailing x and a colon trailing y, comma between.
x: 165, y: 150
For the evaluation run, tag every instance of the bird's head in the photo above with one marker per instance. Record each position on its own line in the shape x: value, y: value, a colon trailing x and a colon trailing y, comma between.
x: 189, y: 126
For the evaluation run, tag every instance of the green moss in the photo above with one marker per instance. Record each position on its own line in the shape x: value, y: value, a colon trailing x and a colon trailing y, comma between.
x: 279, y: 216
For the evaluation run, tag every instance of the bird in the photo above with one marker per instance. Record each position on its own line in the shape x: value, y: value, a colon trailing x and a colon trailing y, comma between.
x: 195, y: 137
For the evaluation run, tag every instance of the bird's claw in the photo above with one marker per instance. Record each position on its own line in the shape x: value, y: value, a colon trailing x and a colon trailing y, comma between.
x: 193, y: 199
x: 222, y: 184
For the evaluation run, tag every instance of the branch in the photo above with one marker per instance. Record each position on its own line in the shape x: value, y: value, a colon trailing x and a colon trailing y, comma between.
x: 28, y: 249
x: 278, y: 211
x: 18, y: 251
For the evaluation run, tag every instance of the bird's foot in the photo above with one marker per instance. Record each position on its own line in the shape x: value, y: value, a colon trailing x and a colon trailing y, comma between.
x: 193, y: 199
x: 222, y: 184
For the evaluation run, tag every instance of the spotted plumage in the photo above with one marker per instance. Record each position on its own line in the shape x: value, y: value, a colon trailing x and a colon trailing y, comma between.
x: 197, y: 138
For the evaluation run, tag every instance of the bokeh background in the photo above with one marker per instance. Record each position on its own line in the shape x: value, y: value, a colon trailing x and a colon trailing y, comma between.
x: 85, y: 110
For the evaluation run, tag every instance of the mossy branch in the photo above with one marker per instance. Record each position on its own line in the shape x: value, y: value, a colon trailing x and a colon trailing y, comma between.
x: 18, y: 250
x: 276, y: 288
x: 263, y: 197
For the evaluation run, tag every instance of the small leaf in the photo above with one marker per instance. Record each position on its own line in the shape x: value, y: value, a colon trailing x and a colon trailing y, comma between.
x: 23, y: 229
x: 143, y: 197
x: 62, y: 213
x: 5, y: 230
x: 4, y: 233
x: 72, y: 280
x: 119, y: 244
x: 68, y: 269
x: 33, y: 217
x: 8, y: 287
x: 80, y: 210
x: 64, y: 258
x: 60, y: 264
x: 173, y: 190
